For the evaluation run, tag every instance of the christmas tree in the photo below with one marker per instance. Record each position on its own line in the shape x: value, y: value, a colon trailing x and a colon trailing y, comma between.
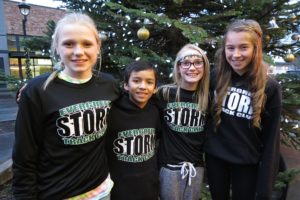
x: 173, y: 23
x: 165, y: 26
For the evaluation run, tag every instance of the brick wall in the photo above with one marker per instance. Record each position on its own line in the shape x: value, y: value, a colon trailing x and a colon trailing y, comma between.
x: 36, y: 20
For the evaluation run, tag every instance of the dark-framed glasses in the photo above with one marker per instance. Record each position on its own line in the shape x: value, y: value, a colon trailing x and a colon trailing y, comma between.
x: 186, y: 64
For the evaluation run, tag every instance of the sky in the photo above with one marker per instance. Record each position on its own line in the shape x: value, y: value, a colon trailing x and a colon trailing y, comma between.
x: 55, y: 4
x: 48, y: 3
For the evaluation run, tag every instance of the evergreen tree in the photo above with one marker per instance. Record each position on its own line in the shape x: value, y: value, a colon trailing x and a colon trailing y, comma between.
x: 173, y: 23
x: 43, y: 43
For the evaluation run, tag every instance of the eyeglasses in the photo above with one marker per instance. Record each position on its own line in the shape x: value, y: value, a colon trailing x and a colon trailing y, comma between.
x: 187, y: 64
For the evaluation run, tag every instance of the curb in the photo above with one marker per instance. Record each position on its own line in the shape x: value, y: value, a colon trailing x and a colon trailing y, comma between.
x: 5, y: 171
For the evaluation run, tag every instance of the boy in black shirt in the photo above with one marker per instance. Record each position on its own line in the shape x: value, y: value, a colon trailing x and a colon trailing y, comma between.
x: 133, y: 125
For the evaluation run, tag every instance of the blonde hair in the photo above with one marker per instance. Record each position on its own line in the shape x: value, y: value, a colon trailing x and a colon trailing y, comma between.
x: 256, y: 71
x: 202, y: 89
x: 70, y: 18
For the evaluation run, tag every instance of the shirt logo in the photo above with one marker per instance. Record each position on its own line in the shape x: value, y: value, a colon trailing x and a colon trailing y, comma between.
x: 82, y: 123
x: 136, y: 145
x: 238, y: 103
x: 184, y: 117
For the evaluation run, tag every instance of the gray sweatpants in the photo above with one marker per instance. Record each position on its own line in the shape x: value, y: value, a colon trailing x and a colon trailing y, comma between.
x: 173, y: 187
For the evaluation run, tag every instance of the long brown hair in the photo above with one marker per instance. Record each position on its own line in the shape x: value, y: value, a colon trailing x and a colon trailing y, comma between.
x: 256, y: 71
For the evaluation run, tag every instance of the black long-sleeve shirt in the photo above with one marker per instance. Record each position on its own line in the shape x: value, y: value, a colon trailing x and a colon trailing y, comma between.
x: 183, y: 135
x: 59, y: 146
x: 238, y: 142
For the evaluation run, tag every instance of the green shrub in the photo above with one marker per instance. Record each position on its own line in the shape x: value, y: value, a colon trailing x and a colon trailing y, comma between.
x: 285, y: 177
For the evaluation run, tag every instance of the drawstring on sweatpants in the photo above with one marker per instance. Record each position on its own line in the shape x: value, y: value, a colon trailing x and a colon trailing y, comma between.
x: 187, y: 169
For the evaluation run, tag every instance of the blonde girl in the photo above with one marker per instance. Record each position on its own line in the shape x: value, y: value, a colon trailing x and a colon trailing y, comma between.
x: 183, y: 105
x: 61, y: 121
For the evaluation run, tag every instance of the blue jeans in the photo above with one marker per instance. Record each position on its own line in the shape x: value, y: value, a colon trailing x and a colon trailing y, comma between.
x: 173, y: 187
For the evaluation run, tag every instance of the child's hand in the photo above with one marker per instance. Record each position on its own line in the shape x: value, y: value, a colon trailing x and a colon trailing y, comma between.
x: 19, y: 92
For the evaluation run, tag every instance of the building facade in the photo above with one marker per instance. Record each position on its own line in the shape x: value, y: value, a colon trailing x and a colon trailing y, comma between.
x: 12, y: 53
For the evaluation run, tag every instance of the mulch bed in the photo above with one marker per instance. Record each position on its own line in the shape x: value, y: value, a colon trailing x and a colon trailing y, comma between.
x: 6, y: 191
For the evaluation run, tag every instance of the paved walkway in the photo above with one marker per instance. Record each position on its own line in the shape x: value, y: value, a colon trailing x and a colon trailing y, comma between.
x: 8, y: 112
x: 8, y: 109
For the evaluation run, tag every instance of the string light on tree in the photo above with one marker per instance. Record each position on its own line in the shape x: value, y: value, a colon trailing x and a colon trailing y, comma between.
x: 178, y: 2
x: 143, y: 33
x: 272, y: 23
x: 293, y: 18
x: 103, y: 36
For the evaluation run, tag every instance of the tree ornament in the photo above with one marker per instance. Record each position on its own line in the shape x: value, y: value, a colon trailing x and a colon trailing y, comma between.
x: 267, y: 38
x: 295, y: 37
x: 289, y: 57
x: 143, y: 33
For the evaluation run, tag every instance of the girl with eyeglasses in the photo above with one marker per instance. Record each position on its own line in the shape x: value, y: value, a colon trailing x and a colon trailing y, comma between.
x: 183, y: 104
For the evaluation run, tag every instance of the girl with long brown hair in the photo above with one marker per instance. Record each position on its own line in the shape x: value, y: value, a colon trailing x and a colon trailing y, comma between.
x: 242, y: 146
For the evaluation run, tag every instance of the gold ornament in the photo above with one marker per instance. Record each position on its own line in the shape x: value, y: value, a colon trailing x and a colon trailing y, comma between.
x: 143, y: 33
x: 267, y: 38
x: 289, y: 57
x: 295, y: 37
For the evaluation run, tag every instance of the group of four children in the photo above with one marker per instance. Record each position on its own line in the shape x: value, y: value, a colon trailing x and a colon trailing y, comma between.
x: 78, y: 138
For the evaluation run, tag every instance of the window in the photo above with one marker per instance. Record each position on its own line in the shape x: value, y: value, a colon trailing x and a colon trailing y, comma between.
x: 12, y: 42
x: 38, y: 66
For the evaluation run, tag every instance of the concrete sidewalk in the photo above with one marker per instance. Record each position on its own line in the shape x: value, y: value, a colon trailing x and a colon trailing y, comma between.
x: 8, y: 113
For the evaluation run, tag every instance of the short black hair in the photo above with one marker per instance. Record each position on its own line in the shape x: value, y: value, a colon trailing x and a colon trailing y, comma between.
x: 137, y: 66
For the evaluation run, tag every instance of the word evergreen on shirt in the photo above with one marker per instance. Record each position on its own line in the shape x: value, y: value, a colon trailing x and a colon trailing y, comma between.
x: 83, y: 125
x: 184, y: 117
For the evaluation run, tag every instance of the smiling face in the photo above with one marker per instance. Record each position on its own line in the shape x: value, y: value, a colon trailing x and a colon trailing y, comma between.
x: 78, y: 50
x: 239, y: 50
x: 141, y: 86
x: 190, y: 76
